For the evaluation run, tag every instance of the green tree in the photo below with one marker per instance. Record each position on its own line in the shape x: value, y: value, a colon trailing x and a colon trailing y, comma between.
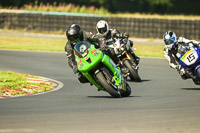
x: 142, y: 6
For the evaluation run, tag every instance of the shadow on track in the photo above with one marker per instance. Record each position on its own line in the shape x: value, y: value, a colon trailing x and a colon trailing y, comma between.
x: 144, y: 80
x: 110, y: 97
x: 190, y: 88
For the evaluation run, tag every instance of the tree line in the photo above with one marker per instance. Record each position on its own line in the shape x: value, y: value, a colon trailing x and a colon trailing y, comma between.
x: 189, y: 7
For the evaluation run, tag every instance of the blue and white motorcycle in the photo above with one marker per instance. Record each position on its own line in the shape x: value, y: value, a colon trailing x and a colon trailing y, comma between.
x: 189, y: 57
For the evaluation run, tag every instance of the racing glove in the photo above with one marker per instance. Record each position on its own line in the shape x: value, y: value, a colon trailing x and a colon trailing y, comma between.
x: 120, y: 35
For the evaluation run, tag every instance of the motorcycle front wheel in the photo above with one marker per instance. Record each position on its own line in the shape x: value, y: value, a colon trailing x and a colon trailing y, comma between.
x: 133, y: 72
x: 109, y: 88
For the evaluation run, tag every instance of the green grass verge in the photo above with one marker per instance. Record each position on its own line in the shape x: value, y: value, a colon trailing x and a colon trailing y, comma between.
x: 149, y: 50
x: 18, y: 84
x: 31, y: 43
x: 45, y: 44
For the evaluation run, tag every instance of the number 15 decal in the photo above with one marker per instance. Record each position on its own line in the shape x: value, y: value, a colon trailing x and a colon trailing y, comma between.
x: 191, y: 57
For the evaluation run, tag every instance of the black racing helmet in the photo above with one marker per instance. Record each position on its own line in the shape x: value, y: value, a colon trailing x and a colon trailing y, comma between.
x: 74, y: 33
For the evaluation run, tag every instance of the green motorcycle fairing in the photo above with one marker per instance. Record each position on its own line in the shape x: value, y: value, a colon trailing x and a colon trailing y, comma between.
x: 88, y: 58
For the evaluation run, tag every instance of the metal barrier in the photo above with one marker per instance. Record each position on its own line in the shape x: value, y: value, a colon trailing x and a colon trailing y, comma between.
x: 142, y: 28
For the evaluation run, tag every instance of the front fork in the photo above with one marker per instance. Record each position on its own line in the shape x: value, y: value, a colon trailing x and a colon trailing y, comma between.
x: 118, y: 78
x: 131, y: 59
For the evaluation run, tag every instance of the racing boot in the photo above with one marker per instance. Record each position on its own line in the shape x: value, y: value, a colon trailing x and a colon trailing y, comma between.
x: 136, y: 58
x: 82, y: 78
x: 183, y: 74
x: 184, y: 77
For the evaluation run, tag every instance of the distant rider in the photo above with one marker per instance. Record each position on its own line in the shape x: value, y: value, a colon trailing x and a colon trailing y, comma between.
x: 103, y: 31
x: 172, y: 47
x: 74, y: 35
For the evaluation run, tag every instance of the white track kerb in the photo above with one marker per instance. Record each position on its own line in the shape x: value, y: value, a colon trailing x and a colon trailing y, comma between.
x: 56, y: 86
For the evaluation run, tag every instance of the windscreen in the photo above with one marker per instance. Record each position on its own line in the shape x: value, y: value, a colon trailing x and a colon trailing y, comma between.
x: 82, y: 49
x: 182, y: 49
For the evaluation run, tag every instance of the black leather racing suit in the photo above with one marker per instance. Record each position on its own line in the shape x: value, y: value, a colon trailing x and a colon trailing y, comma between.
x: 69, y: 47
x: 113, y: 33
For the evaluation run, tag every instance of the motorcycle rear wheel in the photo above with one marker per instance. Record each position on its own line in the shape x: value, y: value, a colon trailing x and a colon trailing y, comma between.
x: 109, y: 88
x: 133, y: 72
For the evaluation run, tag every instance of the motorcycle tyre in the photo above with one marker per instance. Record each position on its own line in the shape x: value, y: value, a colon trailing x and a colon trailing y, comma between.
x: 133, y: 72
x: 101, y: 78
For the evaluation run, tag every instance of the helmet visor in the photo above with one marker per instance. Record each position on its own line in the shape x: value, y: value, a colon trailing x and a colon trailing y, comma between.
x: 74, y: 38
x: 102, y: 30
x: 170, y: 41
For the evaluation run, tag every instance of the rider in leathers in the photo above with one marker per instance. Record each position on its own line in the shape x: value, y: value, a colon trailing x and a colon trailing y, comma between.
x: 103, y: 31
x: 172, y: 47
x: 75, y: 34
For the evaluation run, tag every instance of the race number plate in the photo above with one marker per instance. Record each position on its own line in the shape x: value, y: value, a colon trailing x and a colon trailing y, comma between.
x: 190, y: 57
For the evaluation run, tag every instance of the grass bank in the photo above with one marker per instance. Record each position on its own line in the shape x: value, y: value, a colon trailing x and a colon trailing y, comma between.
x: 31, y: 43
x: 57, y: 45
x: 149, y: 50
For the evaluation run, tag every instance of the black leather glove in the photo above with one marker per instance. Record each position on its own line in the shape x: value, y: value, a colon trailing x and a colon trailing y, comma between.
x: 75, y: 69
x: 119, y: 35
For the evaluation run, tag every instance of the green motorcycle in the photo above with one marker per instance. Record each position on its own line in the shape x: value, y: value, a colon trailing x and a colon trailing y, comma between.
x: 100, y: 70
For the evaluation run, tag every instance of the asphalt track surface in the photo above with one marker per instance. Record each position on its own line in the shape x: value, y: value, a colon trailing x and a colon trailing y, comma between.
x: 161, y: 103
